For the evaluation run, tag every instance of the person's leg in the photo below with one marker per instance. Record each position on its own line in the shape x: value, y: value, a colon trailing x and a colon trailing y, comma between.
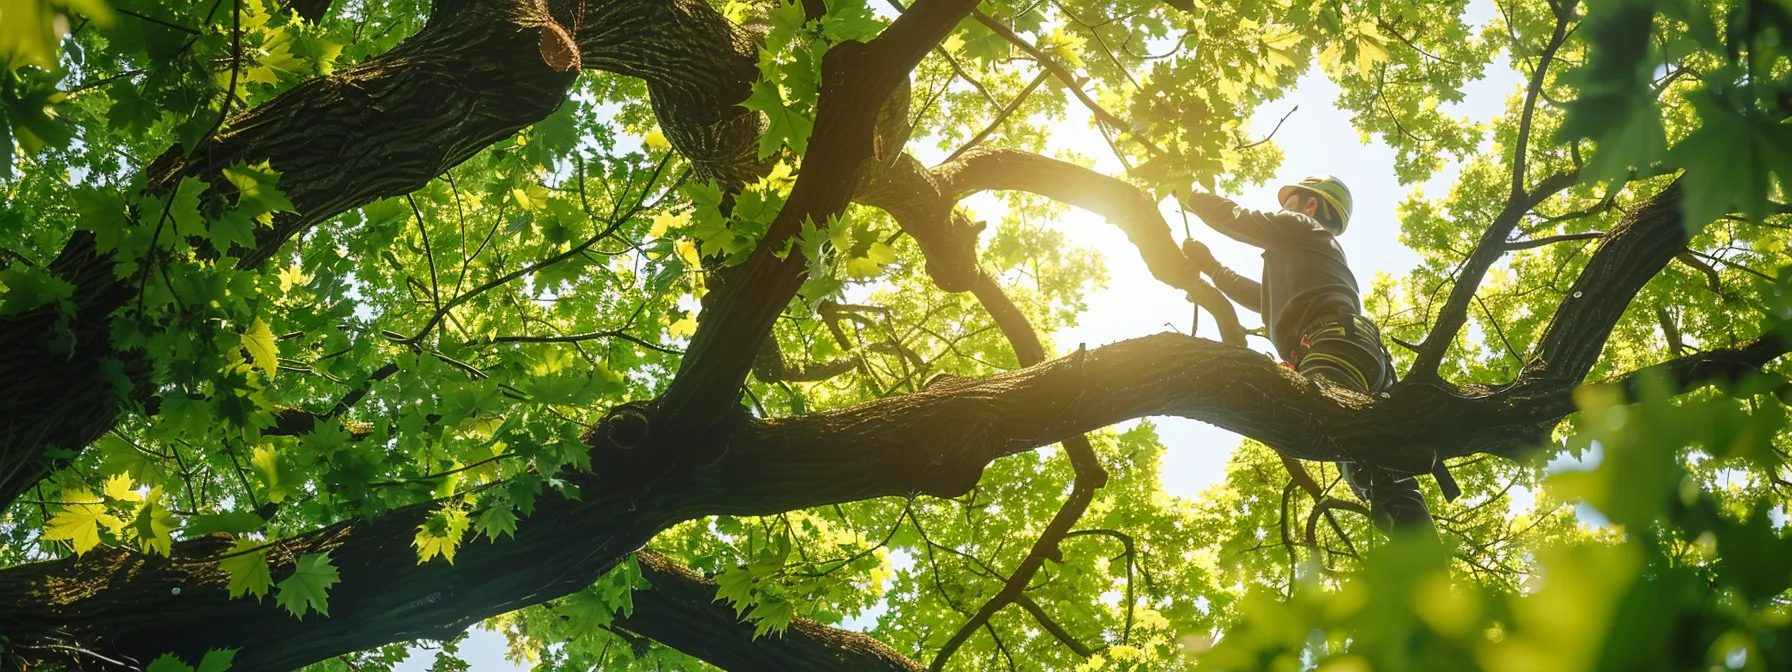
x: 1349, y: 358
x: 1395, y: 502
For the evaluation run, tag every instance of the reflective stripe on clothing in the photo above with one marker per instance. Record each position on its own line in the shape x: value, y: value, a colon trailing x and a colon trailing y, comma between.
x: 1348, y: 347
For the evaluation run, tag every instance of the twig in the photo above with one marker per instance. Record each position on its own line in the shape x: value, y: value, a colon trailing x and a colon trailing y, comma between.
x: 1069, y: 79
x: 1003, y: 116
x: 1272, y: 132
x: 435, y: 292
x: 615, y: 223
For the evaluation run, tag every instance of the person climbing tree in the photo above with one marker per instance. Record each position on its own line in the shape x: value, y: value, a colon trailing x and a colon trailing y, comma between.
x: 1312, y: 312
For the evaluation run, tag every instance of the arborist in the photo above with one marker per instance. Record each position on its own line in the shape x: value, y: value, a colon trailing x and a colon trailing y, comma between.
x: 1313, y: 314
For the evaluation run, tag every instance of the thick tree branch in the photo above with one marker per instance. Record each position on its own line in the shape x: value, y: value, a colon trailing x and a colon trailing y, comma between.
x: 1122, y: 204
x: 1492, y: 246
x: 1629, y: 255
x: 935, y: 441
x: 856, y: 81
x: 681, y: 611
x: 1493, y: 243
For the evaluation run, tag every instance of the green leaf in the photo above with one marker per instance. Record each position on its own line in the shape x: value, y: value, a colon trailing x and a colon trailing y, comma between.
x: 247, y: 566
x: 786, y: 18
x: 1616, y: 106
x: 586, y: 609
x: 771, y: 614
x: 102, y: 212
x: 266, y: 463
x: 1730, y: 161
x: 23, y: 288
x: 258, y: 341
x: 183, y: 208
x: 497, y: 519
x: 735, y: 585
x: 234, y: 229
x: 554, y: 135
x: 217, y: 660
x: 167, y: 662
x: 257, y: 194
x: 1754, y: 556
x: 308, y: 587
x: 787, y: 125
x: 154, y: 525
x: 386, y: 211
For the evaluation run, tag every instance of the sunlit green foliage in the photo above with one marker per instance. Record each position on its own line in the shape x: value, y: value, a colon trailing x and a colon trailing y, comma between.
x: 471, y: 329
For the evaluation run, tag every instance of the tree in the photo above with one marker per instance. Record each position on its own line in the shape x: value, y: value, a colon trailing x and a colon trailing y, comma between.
x: 334, y: 326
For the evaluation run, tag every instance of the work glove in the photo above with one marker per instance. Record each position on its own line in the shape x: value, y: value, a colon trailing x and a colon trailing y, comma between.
x: 1199, y: 255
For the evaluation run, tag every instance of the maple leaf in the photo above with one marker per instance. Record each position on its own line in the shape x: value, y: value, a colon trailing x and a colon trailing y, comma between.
x: 497, y: 519
x: 79, y: 521
x: 154, y: 525
x: 309, y: 585
x: 247, y: 565
x: 258, y: 341
x: 440, y: 534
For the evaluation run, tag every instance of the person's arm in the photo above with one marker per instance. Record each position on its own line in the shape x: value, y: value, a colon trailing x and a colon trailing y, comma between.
x: 1267, y: 230
x: 1245, y: 292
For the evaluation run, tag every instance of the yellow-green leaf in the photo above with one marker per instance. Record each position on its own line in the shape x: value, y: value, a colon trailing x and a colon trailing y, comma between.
x: 440, y: 534
x: 79, y: 521
x: 267, y: 465
x: 263, y: 353
x: 247, y: 565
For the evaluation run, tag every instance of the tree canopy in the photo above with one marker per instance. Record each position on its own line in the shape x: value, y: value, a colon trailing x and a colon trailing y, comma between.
x: 641, y: 332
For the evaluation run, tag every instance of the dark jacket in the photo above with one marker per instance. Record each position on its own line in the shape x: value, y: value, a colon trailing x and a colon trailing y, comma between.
x: 1305, y: 277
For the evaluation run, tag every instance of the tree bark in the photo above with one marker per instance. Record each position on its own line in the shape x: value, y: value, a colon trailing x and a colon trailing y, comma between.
x: 386, y: 127
x: 681, y: 611
x: 130, y: 607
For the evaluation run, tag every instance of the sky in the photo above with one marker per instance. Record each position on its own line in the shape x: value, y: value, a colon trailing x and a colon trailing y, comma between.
x: 1316, y: 139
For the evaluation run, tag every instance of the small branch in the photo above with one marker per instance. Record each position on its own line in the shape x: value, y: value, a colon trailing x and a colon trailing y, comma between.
x: 236, y: 66
x: 435, y: 291
x: 1497, y: 329
x: 1272, y: 132
x: 588, y: 336
x: 1713, y: 280
x: 1530, y: 104
x: 1670, y: 331
x: 159, y: 22
x: 1389, y: 29
x: 1003, y: 116
x: 1051, y: 626
x: 1065, y: 76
